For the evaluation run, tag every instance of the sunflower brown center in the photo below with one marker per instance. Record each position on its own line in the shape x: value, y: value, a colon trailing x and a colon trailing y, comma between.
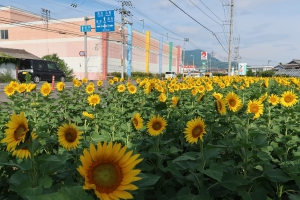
x: 254, y: 109
x: 197, y: 131
x: 135, y: 122
x: 156, y: 126
x: 94, y: 100
x: 232, y: 102
x: 107, y: 177
x: 19, y: 132
x: 70, y: 135
x: 288, y: 99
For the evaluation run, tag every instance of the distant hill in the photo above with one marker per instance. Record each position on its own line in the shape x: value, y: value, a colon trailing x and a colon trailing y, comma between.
x: 215, y: 63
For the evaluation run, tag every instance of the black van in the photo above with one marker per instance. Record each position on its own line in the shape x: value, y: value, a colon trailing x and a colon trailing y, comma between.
x: 40, y: 70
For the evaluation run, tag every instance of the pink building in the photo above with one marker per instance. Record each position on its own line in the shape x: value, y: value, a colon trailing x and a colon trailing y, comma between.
x: 24, y: 30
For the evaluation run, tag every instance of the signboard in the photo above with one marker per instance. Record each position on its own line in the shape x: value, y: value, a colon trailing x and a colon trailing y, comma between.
x: 85, y: 28
x: 81, y: 53
x: 105, y: 21
x: 242, y: 69
x: 203, y: 55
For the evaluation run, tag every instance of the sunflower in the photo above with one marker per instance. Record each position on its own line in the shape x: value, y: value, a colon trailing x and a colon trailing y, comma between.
x: 16, y: 132
x: 14, y: 84
x: 88, y: 115
x: 9, y: 90
x: 132, y: 89
x: 221, y: 106
x: 209, y: 87
x: 30, y: 87
x: 89, y: 89
x: 94, y: 99
x: 45, y: 89
x: 138, y: 80
x: 99, y: 83
x: 288, y: 99
x: 60, y: 86
x: 77, y: 83
x: 156, y: 125
x: 194, y: 91
x: 273, y: 99
x: 121, y: 79
x: 85, y: 80
x: 68, y: 136
x: 233, y: 101
x: 217, y: 95
x: 256, y: 107
x: 162, y: 97
x: 194, y: 130
x: 121, y: 88
x: 108, y: 170
x: 201, y: 89
x: 116, y: 79
x: 200, y: 97
x: 175, y: 101
x: 263, y: 97
x: 21, y: 88
x: 24, y: 153
x: 111, y: 81
x: 137, y: 121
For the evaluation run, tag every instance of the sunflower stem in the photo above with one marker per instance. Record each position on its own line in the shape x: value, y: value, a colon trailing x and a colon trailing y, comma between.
x: 202, y: 166
x: 85, y: 130
x: 246, y: 148
x: 34, y: 175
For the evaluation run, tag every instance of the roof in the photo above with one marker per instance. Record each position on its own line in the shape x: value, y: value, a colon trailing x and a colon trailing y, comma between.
x: 18, y: 53
x: 260, y: 67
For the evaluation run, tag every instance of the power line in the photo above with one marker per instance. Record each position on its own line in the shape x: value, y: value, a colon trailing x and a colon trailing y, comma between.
x: 204, y: 13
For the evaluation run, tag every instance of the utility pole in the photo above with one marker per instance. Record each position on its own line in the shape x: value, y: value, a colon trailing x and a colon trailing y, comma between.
x: 46, y: 16
x: 184, y: 40
x: 211, y: 55
x: 237, y: 53
x: 230, y: 37
x: 124, y: 13
x: 85, y: 49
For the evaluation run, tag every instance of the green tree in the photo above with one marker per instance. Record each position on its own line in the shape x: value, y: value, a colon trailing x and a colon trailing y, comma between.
x: 267, y: 73
x: 250, y: 73
x: 62, y: 65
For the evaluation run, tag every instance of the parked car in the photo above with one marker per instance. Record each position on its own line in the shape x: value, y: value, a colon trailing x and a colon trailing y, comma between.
x: 170, y: 74
x: 40, y: 70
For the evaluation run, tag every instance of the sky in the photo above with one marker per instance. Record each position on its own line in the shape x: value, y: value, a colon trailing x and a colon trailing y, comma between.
x: 263, y: 32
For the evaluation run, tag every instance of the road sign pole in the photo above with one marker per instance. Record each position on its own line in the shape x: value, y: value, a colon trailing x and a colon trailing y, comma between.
x: 85, y: 50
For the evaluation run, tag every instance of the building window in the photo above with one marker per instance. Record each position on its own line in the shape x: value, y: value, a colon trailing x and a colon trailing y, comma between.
x: 4, y: 34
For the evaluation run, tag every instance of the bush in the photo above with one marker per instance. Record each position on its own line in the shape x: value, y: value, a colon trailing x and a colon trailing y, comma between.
x: 268, y: 73
x: 6, y: 76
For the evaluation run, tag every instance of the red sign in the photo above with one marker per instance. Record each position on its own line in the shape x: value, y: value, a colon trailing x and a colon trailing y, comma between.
x: 203, y: 55
x: 81, y: 53
x: 188, y: 67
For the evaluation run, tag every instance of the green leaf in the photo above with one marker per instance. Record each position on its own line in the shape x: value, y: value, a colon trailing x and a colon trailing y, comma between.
x: 215, y: 171
x: 51, y: 196
x: 187, y: 156
x: 294, y: 196
x: 184, y: 194
x: 17, y: 178
x: 76, y: 192
x: 277, y: 175
x: 263, y: 156
x: 174, y: 150
x: 231, y: 181
x: 45, y: 181
x: 211, y: 153
x: 3, y: 157
x: 148, y: 180
x: 33, y: 191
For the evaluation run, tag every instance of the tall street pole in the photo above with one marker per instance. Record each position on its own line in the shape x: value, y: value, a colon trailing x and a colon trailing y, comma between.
x: 185, y: 40
x: 230, y: 37
x: 85, y: 49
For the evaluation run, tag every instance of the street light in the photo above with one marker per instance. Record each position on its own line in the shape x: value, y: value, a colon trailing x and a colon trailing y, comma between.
x: 143, y: 24
x: 193, y: 60
x: 268, y: 62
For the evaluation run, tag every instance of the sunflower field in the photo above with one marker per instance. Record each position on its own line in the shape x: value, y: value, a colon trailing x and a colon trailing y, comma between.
x: 194, y: 138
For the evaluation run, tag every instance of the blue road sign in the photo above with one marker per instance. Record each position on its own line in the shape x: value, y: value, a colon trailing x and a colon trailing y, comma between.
x: 105, y: 21
x: 85, y: 28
